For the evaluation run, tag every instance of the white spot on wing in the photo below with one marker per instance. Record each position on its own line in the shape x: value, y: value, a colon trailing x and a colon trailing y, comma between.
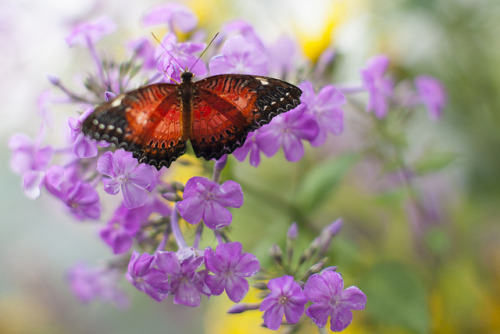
x: 116, y: 102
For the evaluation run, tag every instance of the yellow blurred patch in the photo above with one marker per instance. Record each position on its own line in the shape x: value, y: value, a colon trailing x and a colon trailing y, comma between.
x: 220, y: 322
x: 314, y: 40
x: 184, y: 168
x: 204, y: 10
x: 19, y: 315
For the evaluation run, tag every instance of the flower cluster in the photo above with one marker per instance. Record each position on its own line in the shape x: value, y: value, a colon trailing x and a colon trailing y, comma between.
x: 326, y: 292
x: 145, y: 226
x: 322, y: 287
x: 169, y: 273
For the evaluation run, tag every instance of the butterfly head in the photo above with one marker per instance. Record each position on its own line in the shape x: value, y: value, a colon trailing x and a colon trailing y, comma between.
x: 187, y: 76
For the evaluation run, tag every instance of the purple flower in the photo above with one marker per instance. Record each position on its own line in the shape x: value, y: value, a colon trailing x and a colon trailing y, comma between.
x: 230, y: 267
x: 30, y: 160
x: 143, y: 49
x: 379, y: 88
x: 326, y: 291
x: 432, y: 94
x: 175, y: 16
x: 86, y: 33
x: 108, y: 96
x: 146, y: 278
x: 27, y: 155
x: 239, y: 55
x: 287, y: 130
x: 90, y: 284
x: 251, y: 147
x: 286, y: 298
x: 125, y: 223
x: 282, y: 56
x: 83, y: 146
x: 80, y: 197
x: 120, y: 230
x: 83, y: 201
x: 207, y: 200
x: 185, y: 283
x: 175, y: 58
x: 124, y: 173
x: 32, y: 183
x: 245, y: 29
x: 326, y: 109
x: 153, y: 205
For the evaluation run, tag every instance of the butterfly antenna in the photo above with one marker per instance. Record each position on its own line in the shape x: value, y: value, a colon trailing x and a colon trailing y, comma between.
x: 164, y: 48
x: 201, y: 55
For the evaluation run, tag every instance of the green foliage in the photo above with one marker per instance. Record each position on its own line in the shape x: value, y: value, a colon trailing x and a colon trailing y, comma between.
x: 322, y: 180
x: 396, y: 297
x: 433, y: 162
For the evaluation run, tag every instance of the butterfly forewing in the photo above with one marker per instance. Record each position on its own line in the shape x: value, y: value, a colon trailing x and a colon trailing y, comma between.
x: 218, y: 113
x: 226, y: 107
x: 146, y: 121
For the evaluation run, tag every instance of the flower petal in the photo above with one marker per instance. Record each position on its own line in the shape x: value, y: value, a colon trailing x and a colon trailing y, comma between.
x: 216, y: 284
x: 273, y: 316
x: 191, y: 209
x: 111, y: 185
x: 247, y: 265
x: 294, y: 311
x: 133, y: 195
x: 143, y: 175
x: 319, y: 313
x: 187, y: 294
x: 315, y: 288
x: 236, y: 288
x: 353, y: 298
x: 168, y: 262
x: 230, y: 194
x: 105, y: 164
x: 340, y: 319
x: 270, y: 137
x: 216, y: 216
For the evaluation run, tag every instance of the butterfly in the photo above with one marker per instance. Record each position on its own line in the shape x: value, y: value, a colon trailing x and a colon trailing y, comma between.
x: 215, y: 114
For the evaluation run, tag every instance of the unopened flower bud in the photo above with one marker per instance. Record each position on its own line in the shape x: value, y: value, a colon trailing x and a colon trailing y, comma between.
x: 260, y: 286
x: 172, y: 197
x: 53, y: 79
x: 277, y: 254
x: 242, y: 307
x: 293, y: 231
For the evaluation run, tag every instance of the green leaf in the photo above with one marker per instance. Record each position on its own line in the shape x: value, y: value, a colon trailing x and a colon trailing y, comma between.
x: 396, y: 297
x: 322, y: 180
x: 433, y: 161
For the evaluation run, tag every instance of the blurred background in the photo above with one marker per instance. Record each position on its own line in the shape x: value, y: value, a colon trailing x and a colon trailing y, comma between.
x: 424, y: 248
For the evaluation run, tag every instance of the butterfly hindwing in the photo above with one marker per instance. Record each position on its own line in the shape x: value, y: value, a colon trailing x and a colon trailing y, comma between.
x: 226, y: 107
x: 146, y: 121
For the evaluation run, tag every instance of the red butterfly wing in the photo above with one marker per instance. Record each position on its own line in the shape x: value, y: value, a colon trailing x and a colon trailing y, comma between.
x: 226, y: 107
x: 146, y: 121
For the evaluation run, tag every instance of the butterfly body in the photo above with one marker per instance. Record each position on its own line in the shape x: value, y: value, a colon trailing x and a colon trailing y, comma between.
x: 215, y: 114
